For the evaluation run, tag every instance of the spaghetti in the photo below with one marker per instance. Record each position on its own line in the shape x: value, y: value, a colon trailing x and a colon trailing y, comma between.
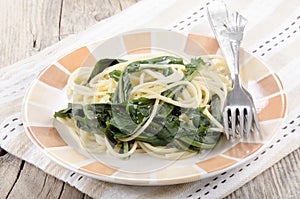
x: 159, y: 105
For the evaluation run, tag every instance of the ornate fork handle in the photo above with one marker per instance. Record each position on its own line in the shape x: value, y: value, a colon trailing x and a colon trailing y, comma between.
x: 235, y: 26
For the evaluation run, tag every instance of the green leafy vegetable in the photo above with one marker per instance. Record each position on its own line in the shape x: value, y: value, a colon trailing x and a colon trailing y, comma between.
x: 124, y: 84
x: 101, y: 65
x: 123, y: 117
x: 118, y: 121
x: 192, y: 69
x: 64, y: 113
x: 115, y: 75
x: 216, y: 108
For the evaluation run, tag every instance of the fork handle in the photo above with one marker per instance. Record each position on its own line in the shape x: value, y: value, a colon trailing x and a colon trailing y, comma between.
x: 235, y: 47
x: 235, y: 26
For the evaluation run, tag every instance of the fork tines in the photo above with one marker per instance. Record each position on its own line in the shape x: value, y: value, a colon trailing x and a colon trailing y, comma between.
x: 238, y: 121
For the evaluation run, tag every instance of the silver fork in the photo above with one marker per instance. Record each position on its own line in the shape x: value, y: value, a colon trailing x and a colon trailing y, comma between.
x: 239, y: 110
x: 239, y: 114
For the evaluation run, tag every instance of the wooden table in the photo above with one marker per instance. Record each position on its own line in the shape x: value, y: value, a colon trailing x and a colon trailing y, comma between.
x: 28, y: 27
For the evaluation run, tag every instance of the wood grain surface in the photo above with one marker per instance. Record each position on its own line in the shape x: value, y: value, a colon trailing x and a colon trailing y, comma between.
x: 28, y: 27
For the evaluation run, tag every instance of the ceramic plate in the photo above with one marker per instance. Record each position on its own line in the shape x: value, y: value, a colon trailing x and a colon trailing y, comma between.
x: 47, y: 95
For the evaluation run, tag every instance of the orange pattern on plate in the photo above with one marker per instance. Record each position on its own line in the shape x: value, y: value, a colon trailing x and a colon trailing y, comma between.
x: 200, y: 45
x: 243, y: 149
x: 46, y: 136
x: 54, y: 77
x: 79, y: 57
x: 275, y: 108
x: 98, y: 169
x: 268, y: 85
x: 215, y: 164
x: 138, y: 43
x: 279, y: 80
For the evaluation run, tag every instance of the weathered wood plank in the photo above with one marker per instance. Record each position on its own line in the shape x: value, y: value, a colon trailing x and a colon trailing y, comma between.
x: 77, y: 15
x: 2, y: 152
x: 71, y: 192
x: 34, y: 183
x: 44, y: 23
x: 23, y: 180
x: 9, y: 171
x: 27, y: 27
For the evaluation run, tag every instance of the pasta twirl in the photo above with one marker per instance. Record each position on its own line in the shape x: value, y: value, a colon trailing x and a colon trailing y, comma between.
x: 160, y: 105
